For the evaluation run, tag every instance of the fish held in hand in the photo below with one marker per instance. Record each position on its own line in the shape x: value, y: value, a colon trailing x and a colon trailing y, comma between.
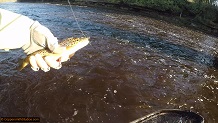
x: 72, y: 45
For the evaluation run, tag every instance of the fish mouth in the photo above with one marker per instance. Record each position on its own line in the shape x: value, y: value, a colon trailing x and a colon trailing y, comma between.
x: 71, y: 50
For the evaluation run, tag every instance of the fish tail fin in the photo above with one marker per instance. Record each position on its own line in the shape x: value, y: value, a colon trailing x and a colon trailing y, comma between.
x: 22, y: 64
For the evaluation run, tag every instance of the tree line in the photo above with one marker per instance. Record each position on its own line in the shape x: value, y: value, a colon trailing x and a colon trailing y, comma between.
x: 199, y: 9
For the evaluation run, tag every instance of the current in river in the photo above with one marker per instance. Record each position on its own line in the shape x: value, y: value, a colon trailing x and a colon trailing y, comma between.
x: 133, y: 66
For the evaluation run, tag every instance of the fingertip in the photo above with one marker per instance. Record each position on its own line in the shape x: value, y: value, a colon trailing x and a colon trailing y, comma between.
x: 46, y: 69
x: 42, y: 63
x: 33, y: 63
x: 58, y: 67
x: 52, y: 62
x: 35, y: 68
x: 64, y: 57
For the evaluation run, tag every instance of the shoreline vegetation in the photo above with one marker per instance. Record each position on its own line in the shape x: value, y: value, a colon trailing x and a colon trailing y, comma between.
x: 200, y: 15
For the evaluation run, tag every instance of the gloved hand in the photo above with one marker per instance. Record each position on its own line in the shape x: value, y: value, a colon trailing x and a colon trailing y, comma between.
x: 41, y: 38
x: 18, y: 31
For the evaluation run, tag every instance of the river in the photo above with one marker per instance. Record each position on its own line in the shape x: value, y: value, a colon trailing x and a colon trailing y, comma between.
x: 133, y: 66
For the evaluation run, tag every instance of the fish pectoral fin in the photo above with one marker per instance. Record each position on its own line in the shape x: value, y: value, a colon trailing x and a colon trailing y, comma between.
x: 71, y: 55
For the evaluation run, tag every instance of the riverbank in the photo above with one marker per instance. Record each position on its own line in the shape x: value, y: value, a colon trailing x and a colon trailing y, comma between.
x: 191, y: 22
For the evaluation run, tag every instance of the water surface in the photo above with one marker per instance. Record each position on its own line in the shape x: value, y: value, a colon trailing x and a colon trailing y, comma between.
x: 134, y: 66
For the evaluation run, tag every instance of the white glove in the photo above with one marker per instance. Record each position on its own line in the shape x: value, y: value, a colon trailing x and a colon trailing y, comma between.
x: 40, y: 38
x: 18, y: 31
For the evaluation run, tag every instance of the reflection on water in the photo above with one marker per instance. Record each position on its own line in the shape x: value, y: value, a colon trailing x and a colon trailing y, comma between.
x: 133, y: 66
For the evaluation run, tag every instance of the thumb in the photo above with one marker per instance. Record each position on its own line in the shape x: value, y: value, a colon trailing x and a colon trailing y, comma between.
x: 59, y: 49
x: 64, y: 55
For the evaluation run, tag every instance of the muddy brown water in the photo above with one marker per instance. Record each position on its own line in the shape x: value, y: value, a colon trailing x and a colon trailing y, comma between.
x: 133, y: 66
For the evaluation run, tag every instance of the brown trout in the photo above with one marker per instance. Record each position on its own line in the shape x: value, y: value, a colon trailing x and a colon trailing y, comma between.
x: 72, y: 45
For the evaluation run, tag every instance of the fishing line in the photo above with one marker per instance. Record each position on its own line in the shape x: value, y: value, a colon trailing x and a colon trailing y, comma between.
x: 76, y: 19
